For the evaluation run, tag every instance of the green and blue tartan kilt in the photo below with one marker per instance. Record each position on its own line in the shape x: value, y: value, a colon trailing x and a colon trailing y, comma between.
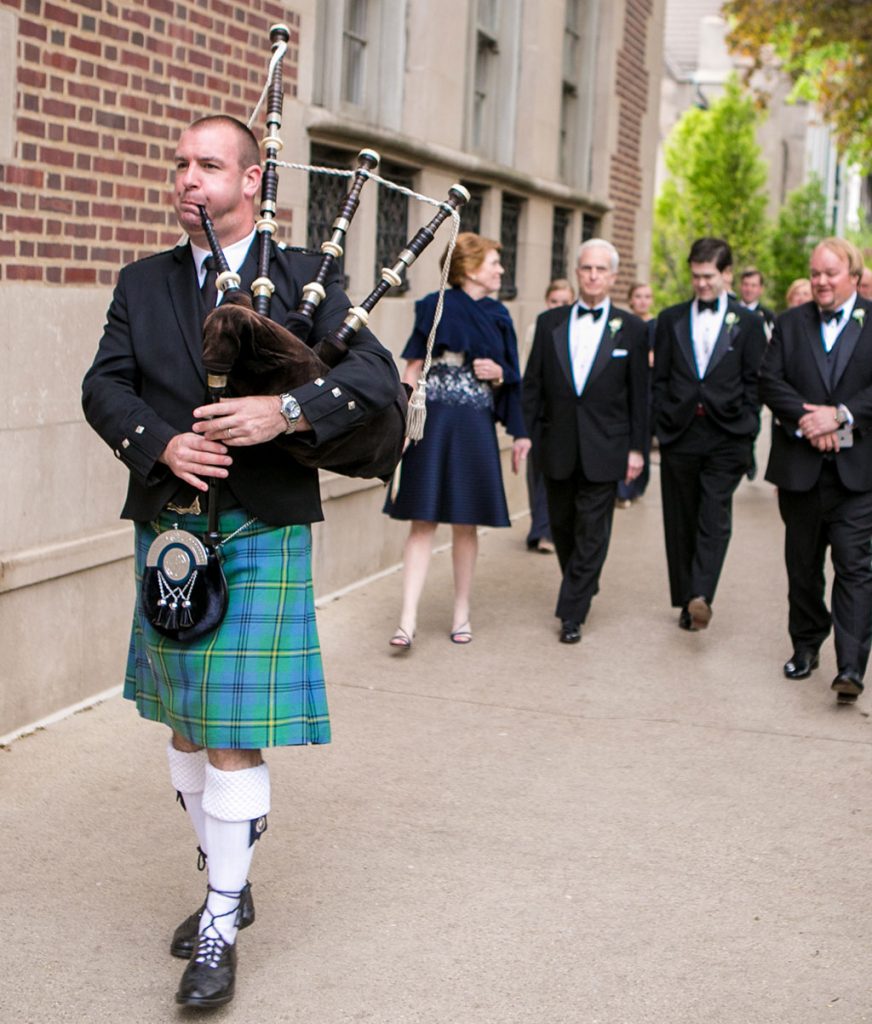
x: 257, y: 680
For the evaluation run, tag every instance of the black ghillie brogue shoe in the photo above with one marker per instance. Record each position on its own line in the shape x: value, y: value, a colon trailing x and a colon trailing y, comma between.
x: 185, y: 936
x: 210, y: 978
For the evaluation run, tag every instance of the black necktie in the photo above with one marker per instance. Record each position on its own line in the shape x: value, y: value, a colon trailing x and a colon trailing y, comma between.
x: 828, y: 315
x: 706, y: 304
x: 595, y: 314
x: 209, y: 289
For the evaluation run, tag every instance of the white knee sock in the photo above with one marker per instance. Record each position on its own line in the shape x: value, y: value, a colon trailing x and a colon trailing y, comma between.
x: 232, y: 802
x: 188, y: 776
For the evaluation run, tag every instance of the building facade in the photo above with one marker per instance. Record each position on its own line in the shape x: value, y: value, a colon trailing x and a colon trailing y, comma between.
x: 546, y: 112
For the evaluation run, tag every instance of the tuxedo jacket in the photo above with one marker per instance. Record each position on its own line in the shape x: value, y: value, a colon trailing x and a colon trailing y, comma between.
x: 797, y: 370
x: 765, y: 313
x: 598, y: 428
x: 148, y: 377
x: 728, y: 390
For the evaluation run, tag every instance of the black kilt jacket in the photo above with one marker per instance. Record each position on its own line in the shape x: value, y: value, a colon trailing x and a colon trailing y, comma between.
x: 148, y: 377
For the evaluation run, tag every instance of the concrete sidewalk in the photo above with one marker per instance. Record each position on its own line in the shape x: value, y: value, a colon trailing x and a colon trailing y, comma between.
x: 653, y: 827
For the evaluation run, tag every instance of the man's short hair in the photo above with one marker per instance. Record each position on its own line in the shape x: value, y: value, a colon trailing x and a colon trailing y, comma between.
x: 249, y: 147
x: 557, y: 285
x: 711, y: 250
x: 753, y: 272
x: 600, y: 243
x: 847, y: 251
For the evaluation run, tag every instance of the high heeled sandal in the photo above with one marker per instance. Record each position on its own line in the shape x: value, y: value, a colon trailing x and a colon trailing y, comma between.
x: 462, y: 635
x: 401, y: 640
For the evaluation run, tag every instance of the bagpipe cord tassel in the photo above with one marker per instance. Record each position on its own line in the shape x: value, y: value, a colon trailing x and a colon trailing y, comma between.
x: 416, y: 416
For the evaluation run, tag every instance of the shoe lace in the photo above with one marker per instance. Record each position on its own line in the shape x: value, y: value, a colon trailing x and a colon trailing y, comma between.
x: 210, y: 943
x: 210, y: 949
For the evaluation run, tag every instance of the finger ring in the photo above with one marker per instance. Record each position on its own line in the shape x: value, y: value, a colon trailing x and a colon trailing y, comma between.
x: 229, y: 432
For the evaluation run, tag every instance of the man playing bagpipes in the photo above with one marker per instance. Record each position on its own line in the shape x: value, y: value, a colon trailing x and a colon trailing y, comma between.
x: 254, y: 679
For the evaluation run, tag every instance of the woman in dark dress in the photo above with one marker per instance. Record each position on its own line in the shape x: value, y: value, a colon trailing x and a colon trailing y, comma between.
x: 453, y: 474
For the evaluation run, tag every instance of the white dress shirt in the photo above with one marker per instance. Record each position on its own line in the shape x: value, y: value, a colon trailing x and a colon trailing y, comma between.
x: 585, y: 335
x: 234, y: 254
x: 704, y: 330
x: 830, y: 330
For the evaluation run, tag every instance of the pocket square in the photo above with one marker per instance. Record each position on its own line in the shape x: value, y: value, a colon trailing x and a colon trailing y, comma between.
x: 618, y: 353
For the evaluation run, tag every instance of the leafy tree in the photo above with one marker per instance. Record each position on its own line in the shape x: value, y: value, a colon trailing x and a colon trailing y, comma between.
x: 801, y: 224
x: 716, y: 186
x: 826, y: 48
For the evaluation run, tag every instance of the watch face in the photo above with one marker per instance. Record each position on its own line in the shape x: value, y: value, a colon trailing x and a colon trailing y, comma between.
x: 291, y: 408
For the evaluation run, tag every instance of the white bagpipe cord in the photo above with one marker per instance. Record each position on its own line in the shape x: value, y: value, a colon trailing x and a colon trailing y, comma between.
x: 417, y: 414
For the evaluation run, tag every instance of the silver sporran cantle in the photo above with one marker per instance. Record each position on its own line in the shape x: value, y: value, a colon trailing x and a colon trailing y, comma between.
x: 184, y: 593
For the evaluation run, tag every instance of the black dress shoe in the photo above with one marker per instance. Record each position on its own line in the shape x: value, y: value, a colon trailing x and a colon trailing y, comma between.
x: 847, y: 686
x: 801, y: 664
x: 570, y: 632
x: 210, y: 978
x: 685, y: 621
x: 185, y: 936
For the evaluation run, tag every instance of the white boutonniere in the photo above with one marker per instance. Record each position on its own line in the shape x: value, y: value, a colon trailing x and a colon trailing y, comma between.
x: 731, y: 319
x: 859, y: 315
x: 615, y: 325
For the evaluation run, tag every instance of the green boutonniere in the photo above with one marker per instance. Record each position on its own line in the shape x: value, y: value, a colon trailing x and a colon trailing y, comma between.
x: 615, y: 325
x: 859, y: 315
x: 731, y: 319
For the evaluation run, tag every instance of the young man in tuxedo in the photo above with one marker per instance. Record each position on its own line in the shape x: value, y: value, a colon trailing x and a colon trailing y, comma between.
x: 817, y: 380
x: 706, y: 415
x: 585, y: 405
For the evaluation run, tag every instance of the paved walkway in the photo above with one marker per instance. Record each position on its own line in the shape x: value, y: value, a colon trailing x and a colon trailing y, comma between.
x: 653, y: 827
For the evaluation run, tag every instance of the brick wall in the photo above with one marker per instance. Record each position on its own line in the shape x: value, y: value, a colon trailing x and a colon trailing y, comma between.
x: 103, y: 90
x: 625, y: 178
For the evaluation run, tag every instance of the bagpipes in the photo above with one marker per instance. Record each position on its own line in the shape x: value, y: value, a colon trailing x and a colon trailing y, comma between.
x: 184, y: 593
x: 259, y: 356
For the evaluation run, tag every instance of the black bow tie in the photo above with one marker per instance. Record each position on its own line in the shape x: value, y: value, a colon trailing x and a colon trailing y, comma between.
x: 595, y: 314
x: 827, y: 315
x: 705, y: 304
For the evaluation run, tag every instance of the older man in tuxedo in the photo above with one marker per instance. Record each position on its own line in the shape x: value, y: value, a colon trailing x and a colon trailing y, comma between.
x: 817, y: 379
x: 585, y: 405
x: 706, y: 415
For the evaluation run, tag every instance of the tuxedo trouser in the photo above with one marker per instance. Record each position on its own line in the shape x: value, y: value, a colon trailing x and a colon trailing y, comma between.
x: 829, y: 515
x: 699, y: 474
x: 581, y: 514
x: 540, y: 528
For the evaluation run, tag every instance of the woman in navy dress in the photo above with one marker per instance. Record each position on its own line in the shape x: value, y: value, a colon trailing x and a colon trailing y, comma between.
x: 453, y: 474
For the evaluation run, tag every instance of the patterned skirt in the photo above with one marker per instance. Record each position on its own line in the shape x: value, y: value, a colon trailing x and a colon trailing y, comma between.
x: 257, y: 680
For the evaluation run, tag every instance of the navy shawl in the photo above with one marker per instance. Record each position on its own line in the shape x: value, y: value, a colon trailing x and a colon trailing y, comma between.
x: 482, y: 329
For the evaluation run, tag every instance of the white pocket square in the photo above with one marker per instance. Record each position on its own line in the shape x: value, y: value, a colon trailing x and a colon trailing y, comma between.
x: 618, y: 353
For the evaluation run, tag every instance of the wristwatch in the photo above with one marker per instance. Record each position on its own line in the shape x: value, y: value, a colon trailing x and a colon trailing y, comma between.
x: 291, y: 411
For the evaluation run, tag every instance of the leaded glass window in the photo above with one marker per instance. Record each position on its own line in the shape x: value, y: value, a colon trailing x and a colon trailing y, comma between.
x: 470, y: 213
x: 326, y: 193
x: 510, y: 221
x: 392, y: 223
x: 559, y: 238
